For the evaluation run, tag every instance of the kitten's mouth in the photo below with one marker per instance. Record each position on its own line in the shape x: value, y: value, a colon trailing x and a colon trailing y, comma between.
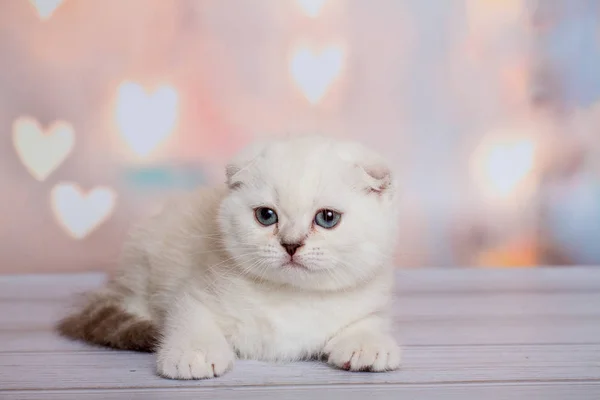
x: 295, y: 264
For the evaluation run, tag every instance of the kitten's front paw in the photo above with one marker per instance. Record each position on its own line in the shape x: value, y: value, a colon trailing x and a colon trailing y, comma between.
x: 178, y: 363
x: 364, y: 352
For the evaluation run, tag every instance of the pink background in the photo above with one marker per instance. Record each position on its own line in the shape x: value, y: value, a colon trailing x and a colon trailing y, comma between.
x: 464, y: 97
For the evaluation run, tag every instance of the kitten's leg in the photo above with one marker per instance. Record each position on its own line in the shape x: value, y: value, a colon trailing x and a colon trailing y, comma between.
x: 193, y: 346
x: 365, y: 345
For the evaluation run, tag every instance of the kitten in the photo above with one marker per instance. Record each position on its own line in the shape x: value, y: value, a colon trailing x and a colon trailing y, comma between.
x: 290, y: 260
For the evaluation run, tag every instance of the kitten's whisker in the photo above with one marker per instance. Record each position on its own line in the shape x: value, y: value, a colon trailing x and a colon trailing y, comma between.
x: 232, y: 259
x: 391, y: 252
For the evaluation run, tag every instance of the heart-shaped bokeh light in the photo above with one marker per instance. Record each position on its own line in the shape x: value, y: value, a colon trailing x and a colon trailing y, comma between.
x: 79, y: 213
x: 145, y: 119
x: 45, y: 8
x: 42, y: 151
x: 502, y: 163
x: 312, y: 8
x: 314, y: 72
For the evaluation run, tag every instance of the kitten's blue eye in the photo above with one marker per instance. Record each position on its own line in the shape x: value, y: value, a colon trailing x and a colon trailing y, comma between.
x: 265, y: 216
x: 327, y: 218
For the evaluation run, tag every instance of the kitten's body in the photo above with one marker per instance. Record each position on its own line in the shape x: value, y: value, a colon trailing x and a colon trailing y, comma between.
x: 202, y: 280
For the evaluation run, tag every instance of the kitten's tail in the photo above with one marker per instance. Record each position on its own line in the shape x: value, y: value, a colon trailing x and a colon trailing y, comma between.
x: 104, y: 321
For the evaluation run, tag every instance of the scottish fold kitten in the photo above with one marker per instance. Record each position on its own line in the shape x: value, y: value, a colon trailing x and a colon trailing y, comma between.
x: 291, y: 259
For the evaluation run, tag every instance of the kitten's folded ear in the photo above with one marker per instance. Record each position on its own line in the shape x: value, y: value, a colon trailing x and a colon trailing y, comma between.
x: 378, y: 176
x: 375, y: 171
x: 237, y: 168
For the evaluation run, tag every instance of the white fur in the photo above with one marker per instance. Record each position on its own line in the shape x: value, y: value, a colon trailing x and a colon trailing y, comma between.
x: 214, y: 281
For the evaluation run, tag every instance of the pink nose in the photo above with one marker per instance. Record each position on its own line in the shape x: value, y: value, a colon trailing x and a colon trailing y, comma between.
x: 291, y: 248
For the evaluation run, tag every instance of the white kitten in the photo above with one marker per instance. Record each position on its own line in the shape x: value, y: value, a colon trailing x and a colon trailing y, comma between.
x: 291, y: 260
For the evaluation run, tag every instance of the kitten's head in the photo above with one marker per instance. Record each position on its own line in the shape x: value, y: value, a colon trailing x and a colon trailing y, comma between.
x: 309, y: 212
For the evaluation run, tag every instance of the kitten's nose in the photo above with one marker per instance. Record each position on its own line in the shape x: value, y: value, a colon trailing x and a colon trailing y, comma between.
x: 291, y: 247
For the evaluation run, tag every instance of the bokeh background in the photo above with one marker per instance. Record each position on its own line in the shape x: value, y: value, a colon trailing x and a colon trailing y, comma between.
x: 489, y: 110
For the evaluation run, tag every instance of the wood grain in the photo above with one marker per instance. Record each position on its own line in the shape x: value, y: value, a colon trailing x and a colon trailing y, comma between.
x: 532, y: 330
x: 408, y: 281
x: 467, y: 334
x: 39, y: 314
x: 47, y: 286
x: 435, y: 364
x: 454, y: 391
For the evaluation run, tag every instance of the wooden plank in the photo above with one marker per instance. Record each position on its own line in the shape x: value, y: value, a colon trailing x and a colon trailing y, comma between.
x: 422, y: 365
x: 530, y: 330
x: 25, y: 314
x: 464, y: 280
x: 477, y: 280
x: 41, y: 341
x: 464, y: 331
x: 458, y: 306
x: 460, y: 391
x: 38, y: 314
x: 48, y: 286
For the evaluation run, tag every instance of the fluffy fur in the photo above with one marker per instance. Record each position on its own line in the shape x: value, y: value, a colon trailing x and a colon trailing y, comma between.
x: 204, y: 282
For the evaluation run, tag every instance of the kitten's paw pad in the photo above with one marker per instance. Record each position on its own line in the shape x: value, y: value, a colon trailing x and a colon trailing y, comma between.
x: 364, y: 352
x: 194, y: 364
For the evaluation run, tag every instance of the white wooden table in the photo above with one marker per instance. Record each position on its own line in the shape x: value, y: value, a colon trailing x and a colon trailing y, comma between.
x: 467, y: 334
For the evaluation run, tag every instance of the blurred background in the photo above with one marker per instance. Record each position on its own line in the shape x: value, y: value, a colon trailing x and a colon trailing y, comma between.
x: 490, y: 110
